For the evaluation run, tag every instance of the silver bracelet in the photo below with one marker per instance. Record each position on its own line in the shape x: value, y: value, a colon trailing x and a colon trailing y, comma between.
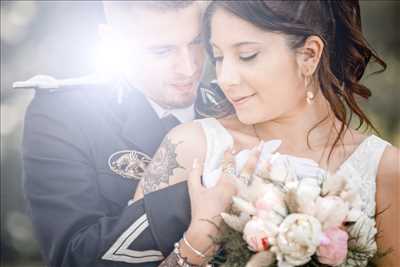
x: 198, y: 253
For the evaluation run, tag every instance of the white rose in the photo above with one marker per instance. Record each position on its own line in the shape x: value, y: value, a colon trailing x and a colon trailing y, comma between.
x: 306, y: 194
x: 258, y: 234
x: 331, y: 211
x: 298, y: 238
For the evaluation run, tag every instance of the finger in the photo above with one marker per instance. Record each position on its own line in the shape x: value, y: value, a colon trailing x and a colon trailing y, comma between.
x: 228, y: 163
x: 263, y: 169
x: 228, y: 157
x: 251, y: 162
x: 194, y: 179
x: 227, y: 185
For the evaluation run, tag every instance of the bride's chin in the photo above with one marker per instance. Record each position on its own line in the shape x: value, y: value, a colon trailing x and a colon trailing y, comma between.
x: 247, y: 118
x: 251, y: 117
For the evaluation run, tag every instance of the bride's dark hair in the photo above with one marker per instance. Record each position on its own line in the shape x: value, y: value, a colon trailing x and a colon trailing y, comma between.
x: 345, y: 55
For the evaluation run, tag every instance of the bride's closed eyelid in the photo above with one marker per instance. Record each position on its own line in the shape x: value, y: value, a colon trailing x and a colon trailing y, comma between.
x: 248, y: 56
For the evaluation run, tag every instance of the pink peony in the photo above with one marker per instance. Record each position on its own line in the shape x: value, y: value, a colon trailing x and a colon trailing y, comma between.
x: 333, y: 249
x: 255, y: 234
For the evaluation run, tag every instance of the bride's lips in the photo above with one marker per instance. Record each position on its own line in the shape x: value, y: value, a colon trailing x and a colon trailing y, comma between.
x: 238, y: 101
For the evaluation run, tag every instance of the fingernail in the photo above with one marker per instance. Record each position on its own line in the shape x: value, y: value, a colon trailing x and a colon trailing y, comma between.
x: 195, y: 163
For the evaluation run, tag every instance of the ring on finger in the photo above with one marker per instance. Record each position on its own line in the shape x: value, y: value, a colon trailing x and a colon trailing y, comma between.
x: 245, y: 178
x: 229, y: 170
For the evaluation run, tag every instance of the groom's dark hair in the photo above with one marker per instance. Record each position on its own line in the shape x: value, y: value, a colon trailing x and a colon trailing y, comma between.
x: 116, y: 11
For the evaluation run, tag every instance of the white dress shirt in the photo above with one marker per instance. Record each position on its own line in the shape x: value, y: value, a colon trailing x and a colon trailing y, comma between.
x: 182, y: 114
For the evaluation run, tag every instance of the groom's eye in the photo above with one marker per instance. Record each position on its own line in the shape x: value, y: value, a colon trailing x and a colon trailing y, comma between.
x: 248, y: 56
x: 197, y: 40
x: 218, y: 58
x: 161, y: 51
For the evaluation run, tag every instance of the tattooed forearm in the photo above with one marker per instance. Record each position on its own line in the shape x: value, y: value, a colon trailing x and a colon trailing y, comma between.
x: 170, y: 261
x: 161, y: 167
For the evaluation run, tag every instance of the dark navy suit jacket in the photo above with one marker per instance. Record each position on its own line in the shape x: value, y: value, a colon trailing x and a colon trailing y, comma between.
x: 78, y: 205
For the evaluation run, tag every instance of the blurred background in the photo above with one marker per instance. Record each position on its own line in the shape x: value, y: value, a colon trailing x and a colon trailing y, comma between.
x: 58, y: 38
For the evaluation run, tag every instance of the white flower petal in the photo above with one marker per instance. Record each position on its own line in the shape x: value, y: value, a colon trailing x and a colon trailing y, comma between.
x: 244, y: 206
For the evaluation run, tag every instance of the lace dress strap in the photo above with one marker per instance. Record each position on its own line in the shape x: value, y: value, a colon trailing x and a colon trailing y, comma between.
x: 364, y: 162
x: 218, y: 140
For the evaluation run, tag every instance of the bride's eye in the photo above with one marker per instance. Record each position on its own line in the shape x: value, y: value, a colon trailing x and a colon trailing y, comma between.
x: 248, y: 56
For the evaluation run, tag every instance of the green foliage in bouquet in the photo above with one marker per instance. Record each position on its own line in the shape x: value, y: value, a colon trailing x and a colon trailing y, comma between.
x: 234, y: 250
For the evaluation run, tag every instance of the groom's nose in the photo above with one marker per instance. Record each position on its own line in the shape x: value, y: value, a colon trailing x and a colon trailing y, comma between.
x: 186, y: 62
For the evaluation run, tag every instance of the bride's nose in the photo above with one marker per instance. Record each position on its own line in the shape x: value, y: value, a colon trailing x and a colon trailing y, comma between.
x: 227, y: 74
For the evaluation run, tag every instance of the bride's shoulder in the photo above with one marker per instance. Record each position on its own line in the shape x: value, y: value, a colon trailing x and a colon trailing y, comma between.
x: 389, y: 165
x: 387, y: 200
x: 189, y: 132
x: 189, y: 140
x: 172, y: 162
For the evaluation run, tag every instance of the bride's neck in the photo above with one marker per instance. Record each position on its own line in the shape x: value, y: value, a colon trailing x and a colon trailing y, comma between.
x: 311, y: 126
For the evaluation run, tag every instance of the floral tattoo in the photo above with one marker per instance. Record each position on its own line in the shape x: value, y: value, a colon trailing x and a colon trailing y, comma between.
x: 161, y: 167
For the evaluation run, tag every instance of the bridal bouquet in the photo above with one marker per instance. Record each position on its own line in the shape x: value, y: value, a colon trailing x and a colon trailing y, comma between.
x: 281, y: 219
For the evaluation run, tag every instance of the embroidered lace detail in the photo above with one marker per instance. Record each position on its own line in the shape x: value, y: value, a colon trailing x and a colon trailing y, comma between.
x: 364, y: 163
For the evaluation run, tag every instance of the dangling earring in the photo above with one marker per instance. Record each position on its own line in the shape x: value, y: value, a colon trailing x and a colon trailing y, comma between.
x: 309, y: 94
x: 310, y: 97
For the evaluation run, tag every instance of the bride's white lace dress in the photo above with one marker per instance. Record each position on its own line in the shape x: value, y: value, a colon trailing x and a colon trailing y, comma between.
x: 362, y: 163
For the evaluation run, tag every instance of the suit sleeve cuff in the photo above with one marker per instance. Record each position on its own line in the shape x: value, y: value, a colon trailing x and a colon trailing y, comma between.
x: 168, y: 212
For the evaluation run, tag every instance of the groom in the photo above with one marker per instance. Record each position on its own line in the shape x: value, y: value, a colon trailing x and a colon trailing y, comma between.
x: 85, y: 148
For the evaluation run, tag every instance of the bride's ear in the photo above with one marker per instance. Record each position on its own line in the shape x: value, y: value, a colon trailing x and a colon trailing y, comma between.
x: 309, y: 55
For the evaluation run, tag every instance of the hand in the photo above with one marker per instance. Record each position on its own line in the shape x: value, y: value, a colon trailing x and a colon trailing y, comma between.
x: 208, y: 203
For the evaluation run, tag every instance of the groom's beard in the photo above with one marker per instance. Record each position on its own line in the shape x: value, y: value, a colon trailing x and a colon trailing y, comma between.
x: 175, y: 95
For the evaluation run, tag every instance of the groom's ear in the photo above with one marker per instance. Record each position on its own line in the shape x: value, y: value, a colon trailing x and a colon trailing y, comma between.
x: 309, y: 55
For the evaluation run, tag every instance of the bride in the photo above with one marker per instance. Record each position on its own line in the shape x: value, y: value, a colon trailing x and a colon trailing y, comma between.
x: 290, y: 71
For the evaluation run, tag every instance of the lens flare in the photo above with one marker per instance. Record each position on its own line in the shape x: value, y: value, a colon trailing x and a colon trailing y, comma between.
x: 112, y: 57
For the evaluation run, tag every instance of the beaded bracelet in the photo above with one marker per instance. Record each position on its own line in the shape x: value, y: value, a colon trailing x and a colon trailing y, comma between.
x: 182, y: 262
